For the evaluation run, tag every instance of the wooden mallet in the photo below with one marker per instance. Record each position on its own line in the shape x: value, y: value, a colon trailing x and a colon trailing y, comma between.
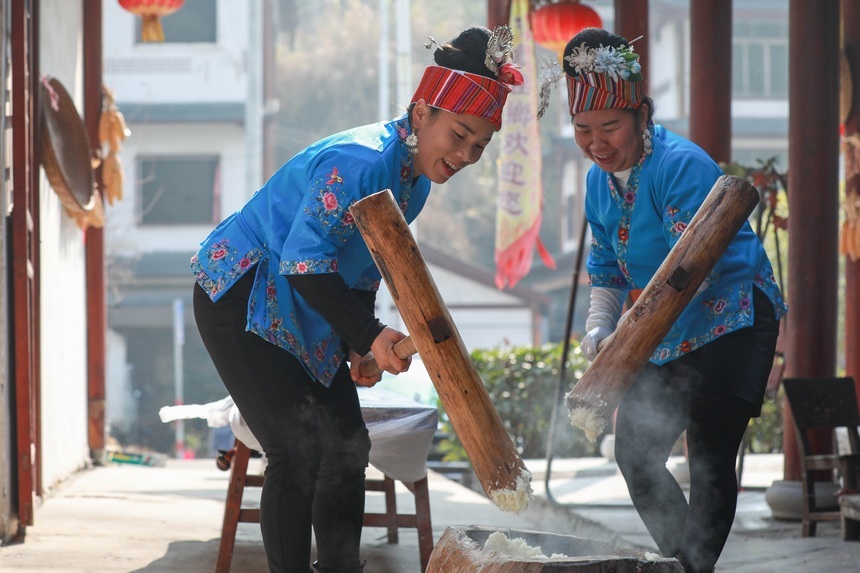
x: 494, y: 457
x: 625, y: 353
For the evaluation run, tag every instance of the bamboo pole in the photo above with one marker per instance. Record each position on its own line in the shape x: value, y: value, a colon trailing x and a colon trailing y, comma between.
x: 623, y: 355
x: 476, y: 421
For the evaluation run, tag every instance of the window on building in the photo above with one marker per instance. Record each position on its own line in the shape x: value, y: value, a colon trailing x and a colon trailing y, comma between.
x: 196, y: 22
x: 760, y: 60
x: 179, y: 190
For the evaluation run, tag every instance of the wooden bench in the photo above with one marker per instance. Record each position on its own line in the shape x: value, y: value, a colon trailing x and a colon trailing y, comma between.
x: 849, y: 507
x: 234, y: 513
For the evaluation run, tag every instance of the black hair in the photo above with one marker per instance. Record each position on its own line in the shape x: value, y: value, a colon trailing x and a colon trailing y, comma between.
x: 595, y: 38
x: 466, y: 52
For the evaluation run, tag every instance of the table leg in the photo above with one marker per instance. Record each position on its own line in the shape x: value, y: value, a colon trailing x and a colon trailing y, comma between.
x: 425, y: 529
x: 391, y: 509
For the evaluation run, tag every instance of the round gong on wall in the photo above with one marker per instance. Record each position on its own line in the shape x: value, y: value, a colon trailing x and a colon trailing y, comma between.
x: 66, y: 149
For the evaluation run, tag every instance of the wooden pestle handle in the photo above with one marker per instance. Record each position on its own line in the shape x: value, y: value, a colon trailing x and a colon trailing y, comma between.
x: 494, y: 457
x: 403, y: 349
x: 624, y: 354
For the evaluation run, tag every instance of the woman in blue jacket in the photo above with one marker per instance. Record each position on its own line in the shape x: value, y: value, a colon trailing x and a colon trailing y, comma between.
x: 708, y: 375
x: 285, y: 290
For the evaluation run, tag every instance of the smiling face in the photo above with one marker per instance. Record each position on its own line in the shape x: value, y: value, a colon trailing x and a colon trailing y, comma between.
x: 447, y: 142
x: 612, y: 138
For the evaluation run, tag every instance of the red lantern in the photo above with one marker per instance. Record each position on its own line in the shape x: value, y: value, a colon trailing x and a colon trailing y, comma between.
x: 555, y: 24
x: 151, y: 11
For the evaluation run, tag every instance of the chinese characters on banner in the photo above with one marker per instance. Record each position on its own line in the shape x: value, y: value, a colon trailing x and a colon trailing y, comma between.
x: 518, y: 213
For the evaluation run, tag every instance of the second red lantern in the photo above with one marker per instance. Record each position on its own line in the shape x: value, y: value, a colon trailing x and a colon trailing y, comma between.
x: 555, y: 24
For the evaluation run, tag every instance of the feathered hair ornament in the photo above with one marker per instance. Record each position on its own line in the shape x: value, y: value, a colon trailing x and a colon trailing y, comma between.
x: 551, y: 72
x: 499, y: 47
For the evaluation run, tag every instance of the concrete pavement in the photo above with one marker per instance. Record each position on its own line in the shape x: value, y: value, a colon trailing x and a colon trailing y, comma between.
x: 125, y: 518
x: 599, y: 507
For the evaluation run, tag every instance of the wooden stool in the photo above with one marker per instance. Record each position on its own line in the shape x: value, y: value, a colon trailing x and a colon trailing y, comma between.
x: 849, y: 504
x: 239, y: 480
x: 420, y: 520
x: 233, y: 512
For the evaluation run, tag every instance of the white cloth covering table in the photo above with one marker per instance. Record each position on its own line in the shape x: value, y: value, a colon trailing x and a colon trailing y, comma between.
x: 401, y: 434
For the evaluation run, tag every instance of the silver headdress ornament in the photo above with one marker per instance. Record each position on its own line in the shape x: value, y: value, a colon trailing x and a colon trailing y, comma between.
x: 499, y: 47
x: 614, y: 62
x: 551, y: 72
x: 429, y: 45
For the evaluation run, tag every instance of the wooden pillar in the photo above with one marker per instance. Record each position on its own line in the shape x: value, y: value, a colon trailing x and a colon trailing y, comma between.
x: 851, y: 149
x: 95, y: 243
x: 631, y: 21
x: 498, y: 12
x: 813, y: 201
x: 711, y: 77
x: 24, y: 251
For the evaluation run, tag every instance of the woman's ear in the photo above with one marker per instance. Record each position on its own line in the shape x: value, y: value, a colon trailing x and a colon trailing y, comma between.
x: 644, y: 110
x: 419, y: 114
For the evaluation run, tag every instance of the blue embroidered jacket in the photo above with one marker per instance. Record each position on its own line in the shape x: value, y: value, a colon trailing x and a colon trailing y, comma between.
x: 299, y: 222
x: 634, y: 229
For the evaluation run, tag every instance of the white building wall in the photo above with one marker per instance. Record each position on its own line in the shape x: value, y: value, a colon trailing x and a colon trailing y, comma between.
x: 167, y: 74
x: 502, y: 324
x: 120, y: 403
x: 177, y: 73
x: 225, y: 140
x: 760, y: 108
x: 493, y: 328
x: 667, y: 76
x: 63, y: 309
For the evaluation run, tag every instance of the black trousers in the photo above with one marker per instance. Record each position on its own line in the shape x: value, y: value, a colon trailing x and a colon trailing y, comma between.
x: 690, y: 394
x: 314, y: 438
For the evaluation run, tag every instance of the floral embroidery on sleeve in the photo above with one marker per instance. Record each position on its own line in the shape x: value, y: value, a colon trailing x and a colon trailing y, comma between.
x: 676, y: 221
x: 276, y: 332
x: 365, y: 283
x: 403, y: 132
x: 331, y: 207
x: 716, y: 306
x: 313, y: 266
x: 607, y: 279
x: 334, y: 177
x: 727, y: 312
x: 223, y: 261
